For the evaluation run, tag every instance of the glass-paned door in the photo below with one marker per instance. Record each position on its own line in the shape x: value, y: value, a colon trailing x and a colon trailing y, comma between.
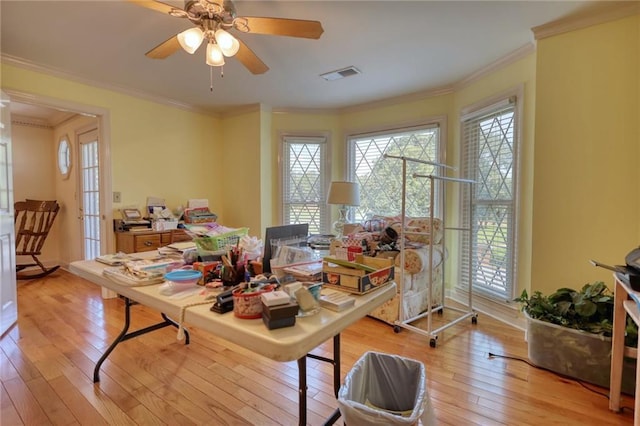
x: 90, y: 190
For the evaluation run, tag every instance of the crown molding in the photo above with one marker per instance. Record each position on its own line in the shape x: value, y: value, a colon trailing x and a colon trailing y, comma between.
x: 410, y: 97
x: 54, y: 72
x: 597, y: 13
x: 314, y: 111
x: 19, y: 120
x: 508, y: 59
x: 245, y: 109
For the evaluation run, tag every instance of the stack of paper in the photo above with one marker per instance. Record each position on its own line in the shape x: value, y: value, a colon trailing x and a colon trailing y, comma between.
x: 336, y: 300
x: 306, y: 271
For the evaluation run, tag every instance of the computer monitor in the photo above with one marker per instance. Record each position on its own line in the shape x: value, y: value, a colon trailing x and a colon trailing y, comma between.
x: 276, y: 234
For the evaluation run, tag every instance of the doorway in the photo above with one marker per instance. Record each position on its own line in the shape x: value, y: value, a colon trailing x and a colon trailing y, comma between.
x: 71, y: 221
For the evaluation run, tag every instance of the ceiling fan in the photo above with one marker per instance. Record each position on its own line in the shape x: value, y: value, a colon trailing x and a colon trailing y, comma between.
x: 213, y: 19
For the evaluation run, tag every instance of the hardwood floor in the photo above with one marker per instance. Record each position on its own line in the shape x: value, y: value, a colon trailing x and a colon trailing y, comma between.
x: 47, y: 360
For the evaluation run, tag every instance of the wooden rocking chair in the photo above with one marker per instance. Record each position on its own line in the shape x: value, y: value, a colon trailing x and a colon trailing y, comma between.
x: 33, y: 220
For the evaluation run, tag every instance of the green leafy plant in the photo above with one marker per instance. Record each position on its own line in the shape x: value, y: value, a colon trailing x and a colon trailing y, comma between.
x: 589, y: 309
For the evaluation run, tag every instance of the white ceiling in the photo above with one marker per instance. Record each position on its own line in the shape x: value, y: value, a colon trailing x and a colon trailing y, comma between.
x: 401, y: 47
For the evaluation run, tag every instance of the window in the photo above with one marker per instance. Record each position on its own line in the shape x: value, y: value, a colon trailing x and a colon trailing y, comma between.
x: 489, y: 157
x: 304, y: 182
x: 380, y: 178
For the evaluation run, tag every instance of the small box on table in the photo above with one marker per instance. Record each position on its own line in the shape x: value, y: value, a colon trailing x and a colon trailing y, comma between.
x: 279, y: 316
x: 360, y: 277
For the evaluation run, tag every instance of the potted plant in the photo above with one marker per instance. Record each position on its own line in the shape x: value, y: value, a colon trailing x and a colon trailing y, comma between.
x: 569, y: 332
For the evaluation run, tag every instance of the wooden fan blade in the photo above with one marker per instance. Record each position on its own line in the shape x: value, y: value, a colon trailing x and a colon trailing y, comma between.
x: 285, y: 27
x: 154, y: 5
x: 250, y: 60
x: 164, y: 49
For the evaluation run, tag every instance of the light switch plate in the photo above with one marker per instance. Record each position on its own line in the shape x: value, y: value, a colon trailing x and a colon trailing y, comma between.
x: 117, y: 197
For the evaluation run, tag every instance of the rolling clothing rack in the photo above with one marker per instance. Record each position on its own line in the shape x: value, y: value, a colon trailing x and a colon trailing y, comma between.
x: 468, y: 312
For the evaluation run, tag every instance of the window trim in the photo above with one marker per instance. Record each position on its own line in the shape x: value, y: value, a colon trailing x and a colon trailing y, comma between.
x: 470, y: 112
x: 320, y: 137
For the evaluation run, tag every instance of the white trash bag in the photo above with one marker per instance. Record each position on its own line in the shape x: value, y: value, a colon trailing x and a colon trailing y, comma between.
x: 383, y: 389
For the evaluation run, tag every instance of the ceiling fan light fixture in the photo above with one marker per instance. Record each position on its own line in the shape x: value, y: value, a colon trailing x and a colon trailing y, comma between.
x: 228, y: 43
x: 215, y: 58
x: 223, y: 38
x: 235, y: 46
x: 191, y: 39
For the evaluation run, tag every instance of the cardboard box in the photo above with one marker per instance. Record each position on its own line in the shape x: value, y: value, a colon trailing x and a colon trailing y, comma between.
x: 356, y: 280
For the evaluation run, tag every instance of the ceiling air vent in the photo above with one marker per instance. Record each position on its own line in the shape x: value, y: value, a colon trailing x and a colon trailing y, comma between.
x: 338, y: 74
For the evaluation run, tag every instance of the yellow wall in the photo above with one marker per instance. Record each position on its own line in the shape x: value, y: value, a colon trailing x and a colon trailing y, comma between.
x: 235, y: 171
x: 267, y: 170
x: 151, y: 143
x: 585, y: 203
x: 155, y: 150
x: 33, y: 156
x: 33, y: 162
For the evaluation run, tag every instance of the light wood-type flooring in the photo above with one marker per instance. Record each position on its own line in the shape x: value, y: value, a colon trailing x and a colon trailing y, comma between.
x: 47, y: 360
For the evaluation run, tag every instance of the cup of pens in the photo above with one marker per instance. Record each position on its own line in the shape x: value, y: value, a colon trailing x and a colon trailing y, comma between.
x: 233, y: 267
x: 228, y: 275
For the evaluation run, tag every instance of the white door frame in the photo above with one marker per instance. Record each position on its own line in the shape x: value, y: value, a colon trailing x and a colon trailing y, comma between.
x: 104, y: 135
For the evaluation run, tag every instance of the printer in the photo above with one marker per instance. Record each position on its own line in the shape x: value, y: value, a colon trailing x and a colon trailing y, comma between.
x: 131, y: 218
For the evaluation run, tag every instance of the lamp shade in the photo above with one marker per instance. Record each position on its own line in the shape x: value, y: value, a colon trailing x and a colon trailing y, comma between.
x: 228, y: 43
x: 214, y: 55
x: 191, y: 39
x: 344, y: 193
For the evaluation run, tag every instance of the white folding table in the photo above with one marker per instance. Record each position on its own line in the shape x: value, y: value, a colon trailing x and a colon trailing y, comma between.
x: 284, y: 344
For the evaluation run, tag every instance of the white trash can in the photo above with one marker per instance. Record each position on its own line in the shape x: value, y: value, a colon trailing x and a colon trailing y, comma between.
x: 383, y: 389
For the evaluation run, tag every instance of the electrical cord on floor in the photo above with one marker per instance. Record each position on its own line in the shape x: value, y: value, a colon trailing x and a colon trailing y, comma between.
x: 564, y: 376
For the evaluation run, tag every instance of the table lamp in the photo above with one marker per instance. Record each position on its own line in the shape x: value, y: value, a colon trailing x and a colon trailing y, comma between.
x: 343, y: 194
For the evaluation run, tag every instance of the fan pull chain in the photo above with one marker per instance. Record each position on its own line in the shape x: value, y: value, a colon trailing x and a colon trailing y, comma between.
x: 211, y: 79
x: 222, y: 71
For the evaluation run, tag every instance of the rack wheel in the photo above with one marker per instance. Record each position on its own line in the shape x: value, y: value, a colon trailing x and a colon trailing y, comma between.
x: 474, y: 319
x: 396, y: 329
x: 432, y: 342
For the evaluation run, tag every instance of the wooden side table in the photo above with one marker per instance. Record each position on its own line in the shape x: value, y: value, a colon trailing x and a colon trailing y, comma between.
x: 623, y: 306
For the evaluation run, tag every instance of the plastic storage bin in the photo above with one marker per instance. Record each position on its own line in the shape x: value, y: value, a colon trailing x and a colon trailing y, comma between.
x: 383, y: 389
x: 575, y: 353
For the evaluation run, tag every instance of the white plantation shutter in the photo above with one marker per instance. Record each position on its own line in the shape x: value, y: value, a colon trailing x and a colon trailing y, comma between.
x: 489, y: 156
x: 304, y: 182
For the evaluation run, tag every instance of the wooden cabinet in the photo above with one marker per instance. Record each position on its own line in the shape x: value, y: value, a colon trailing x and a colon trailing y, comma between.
x: 139, y: 241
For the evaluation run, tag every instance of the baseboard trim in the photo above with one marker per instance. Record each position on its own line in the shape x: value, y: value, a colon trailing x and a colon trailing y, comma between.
x: 507, y: 313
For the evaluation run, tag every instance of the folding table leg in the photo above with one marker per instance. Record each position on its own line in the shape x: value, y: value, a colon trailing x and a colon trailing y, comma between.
x: 302, y: 372
x: 302, y: 391
x: 124, y: 336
